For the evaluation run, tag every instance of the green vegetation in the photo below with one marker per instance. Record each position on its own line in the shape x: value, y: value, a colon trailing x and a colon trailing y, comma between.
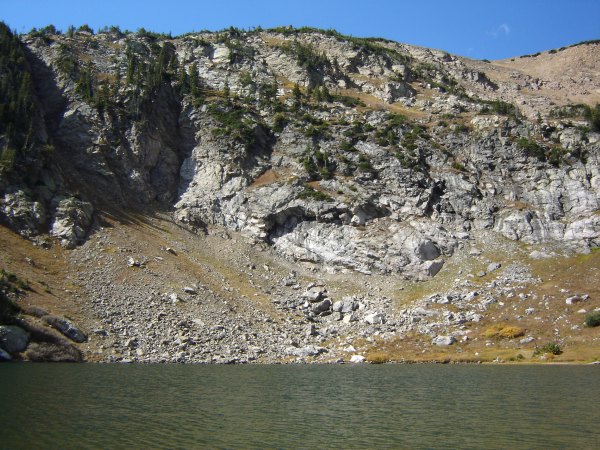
x: 590, y: 42
x: 592, y: 319
x: 8, y: 309
x: 556, y: 155
x: 569, y: 111
x: 310, y: 193
x: 374, y: 46
x: 85, y: 28
x: 589, y: 113
x: 409, y: 140
x: 530, y: 56
x: 318, y: 164
x: 499, y: 107
x: 280, y: 121
x: 388, y: 134
x: 235, y: 121
x: 317, y: 128
x: 358, y: 132
x: 430, y: 73
x: 17, y: 107
x: 346, y: 100
x: 458, y: 166
x: 531, y: 148
x: 592, y: 114
x: 364, y: 165
x: 9, y: 282
x: 552, y: 348
x: 461, y: 128
x: 307, y: 56
x: 553, y: 155
x: 238, y: 51
x: 348, y: 147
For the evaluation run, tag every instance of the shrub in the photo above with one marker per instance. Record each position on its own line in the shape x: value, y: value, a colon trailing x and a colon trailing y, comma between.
x: 8, y: 309
x: 348, y: 147
x: 593, y: 116
x: 317, y: 131
x: 461, y: 128
x: 279, y: 122
x: 87, y: 29
x: 346, y: 100
x: 311, y: 193
x: 503, y: 332
x: 593, y: 319
x: 499, y: 107
x: 552, y: 347
x: 378, y: 358
x: 531, y: 148
x: 364, y: 165
x: 235, y: 122
x: 458, y: 166
x: 556, y: 155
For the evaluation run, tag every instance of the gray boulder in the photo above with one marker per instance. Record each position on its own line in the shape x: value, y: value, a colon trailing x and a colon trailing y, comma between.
x: 13, y: 339
x: 374, y: 318
x: 443, y: 340
x: 72, y: 218
x: 313, y: 295
x: 22, y: 213
x: 309, y: 350
x: 4, y: 355
x: 573, y: 299
x: 346, y: 305
x: 351, y: 317
x: 66, y: 327
x: 493, y: 266
x: 322, y: 307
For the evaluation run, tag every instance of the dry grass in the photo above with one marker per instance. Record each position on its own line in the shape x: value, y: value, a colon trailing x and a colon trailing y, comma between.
x: 378, y: 357
x: 268, y: 177
x: 503, y: 332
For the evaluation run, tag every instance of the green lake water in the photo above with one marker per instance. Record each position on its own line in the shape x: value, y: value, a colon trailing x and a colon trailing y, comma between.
x: 70, y: 406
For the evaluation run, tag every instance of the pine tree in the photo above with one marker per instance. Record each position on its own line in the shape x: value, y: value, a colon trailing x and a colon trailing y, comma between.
x: 297, y: 93
x: 193, y: 80
x: 17, y: 107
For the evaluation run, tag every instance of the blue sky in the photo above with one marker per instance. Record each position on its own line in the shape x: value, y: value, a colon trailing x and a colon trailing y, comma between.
x: 489, y: 29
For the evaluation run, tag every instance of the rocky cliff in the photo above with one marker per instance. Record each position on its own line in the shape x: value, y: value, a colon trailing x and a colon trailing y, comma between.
x: 348, y: 155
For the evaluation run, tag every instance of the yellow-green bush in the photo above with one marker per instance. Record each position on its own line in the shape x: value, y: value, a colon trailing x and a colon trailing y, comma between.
x: 503, y: 332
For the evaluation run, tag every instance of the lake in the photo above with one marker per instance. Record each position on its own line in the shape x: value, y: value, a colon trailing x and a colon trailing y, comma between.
x: 78, y: 406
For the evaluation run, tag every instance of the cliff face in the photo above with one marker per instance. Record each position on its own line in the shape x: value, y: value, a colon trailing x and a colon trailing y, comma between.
x: 359, y: 154
x: 349, y: 155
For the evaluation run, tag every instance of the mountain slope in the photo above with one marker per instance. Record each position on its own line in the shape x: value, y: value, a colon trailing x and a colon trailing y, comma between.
x: 352, y: 157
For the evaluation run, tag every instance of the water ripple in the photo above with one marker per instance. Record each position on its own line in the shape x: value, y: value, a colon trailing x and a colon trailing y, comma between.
x: 176, y: 406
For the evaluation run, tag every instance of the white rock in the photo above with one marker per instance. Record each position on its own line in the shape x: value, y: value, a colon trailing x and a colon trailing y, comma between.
x: 357, y: 359
x: 374, y: 318
x: 133, y: 262
x: 573, y: 299
x: 309, y: 350
x: 443, y: 340
x: 348, y: 318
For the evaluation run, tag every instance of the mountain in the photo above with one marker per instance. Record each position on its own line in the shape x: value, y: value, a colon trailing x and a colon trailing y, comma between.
x: 296, y: 194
